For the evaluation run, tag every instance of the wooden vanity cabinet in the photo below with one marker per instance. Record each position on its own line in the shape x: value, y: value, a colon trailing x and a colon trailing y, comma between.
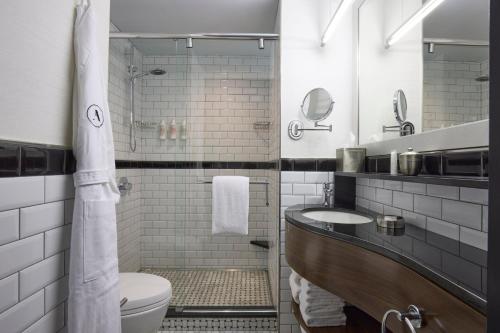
x: 374, y: 284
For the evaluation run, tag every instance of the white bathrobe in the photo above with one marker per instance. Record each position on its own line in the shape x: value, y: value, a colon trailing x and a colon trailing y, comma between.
x: 94, y: 295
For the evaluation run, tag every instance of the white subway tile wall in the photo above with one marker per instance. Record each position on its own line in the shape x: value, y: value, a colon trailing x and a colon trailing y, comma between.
x: 464, y: 218
x: 128, y: 222
x: 177, y: 222
x: 452, y: 95
x: 219, y: 97
x: 273, y: 231
x: 34, y: 252
x: 290, y: 180
x: 119, y: 96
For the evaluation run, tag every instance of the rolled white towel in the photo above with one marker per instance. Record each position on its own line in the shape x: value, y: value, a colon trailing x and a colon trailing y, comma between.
x: 322, y: 299
x: 295, y: 289
x: 336, y: 320
x: 310, y: 288
x: 314, y: 294
x: 296, y: 277
x: 318, y: 310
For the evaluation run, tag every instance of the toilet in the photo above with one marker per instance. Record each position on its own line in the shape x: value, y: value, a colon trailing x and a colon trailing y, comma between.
x: 147, y: 298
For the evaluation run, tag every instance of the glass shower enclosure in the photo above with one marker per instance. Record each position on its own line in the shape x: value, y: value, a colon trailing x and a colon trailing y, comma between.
x: 202, y: 107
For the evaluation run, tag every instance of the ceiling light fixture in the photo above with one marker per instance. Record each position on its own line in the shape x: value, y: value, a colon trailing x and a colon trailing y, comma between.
x: 341, y: 10
x: 416, y: 18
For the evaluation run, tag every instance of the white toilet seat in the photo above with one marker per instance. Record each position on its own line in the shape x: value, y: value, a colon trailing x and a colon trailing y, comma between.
x: 143, y: 292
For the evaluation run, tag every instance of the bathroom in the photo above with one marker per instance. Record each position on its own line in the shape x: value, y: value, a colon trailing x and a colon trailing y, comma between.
x: 247, y: 165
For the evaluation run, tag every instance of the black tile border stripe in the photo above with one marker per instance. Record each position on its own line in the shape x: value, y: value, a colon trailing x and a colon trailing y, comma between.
x: 308, y: 164
x: 465, y: 163
x: 18, y: 159
x: 27, y: 159
x: 126, y: 164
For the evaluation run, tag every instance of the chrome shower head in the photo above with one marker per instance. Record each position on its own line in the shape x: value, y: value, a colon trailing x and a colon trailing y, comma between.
x: 156, y: 71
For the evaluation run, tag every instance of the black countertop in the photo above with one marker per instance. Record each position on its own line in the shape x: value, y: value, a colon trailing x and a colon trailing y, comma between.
x: 456, y: 267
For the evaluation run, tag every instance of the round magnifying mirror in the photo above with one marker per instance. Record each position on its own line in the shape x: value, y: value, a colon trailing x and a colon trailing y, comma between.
x: 317, y: 105
x: 400, y: 106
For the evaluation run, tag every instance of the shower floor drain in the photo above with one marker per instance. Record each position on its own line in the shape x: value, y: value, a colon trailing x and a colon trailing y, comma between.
x: 221, y: 288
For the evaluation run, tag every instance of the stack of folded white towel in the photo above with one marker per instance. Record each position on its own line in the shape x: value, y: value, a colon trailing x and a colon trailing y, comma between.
x: 318, y: 307
x: 295, y: 285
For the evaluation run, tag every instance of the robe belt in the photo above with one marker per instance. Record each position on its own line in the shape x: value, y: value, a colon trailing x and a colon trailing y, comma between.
x: 90, y: 177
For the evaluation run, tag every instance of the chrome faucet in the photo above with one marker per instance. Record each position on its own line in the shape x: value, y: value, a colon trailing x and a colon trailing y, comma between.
x: 328, y: 194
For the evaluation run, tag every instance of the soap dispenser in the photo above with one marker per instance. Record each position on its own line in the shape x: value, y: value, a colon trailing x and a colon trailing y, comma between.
x: 163, y: 130
x: 172, y: 130
x: 183, y: 130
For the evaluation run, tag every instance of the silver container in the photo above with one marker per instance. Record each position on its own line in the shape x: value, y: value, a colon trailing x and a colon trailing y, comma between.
x: 391, y: 221
x: 410, y: 163
x: 351, y: 159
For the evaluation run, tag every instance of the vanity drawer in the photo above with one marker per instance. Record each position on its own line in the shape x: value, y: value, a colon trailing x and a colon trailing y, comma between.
x: 375, y: 284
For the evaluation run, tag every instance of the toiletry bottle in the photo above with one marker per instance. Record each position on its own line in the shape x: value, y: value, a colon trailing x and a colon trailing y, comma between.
x: 183, y: 130
x: 394, y: 163
x: 163, y: 130
x: 172, y: 130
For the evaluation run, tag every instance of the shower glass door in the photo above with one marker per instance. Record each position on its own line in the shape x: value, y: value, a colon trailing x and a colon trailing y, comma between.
x: 200, y: 112
x: 165, y: 101
x: 228, y: 133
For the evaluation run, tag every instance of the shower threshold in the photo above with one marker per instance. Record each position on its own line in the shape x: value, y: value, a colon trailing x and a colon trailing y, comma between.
x: 228, y: 312
x: 228, y: 293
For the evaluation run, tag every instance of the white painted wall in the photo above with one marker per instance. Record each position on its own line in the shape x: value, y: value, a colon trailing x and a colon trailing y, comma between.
x: 37, y: 68
x: 305, y: 65
x: 382, y: 71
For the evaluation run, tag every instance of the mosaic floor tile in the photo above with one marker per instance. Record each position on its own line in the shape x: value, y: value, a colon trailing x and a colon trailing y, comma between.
x: 206, y: 288
x: 220, y: 324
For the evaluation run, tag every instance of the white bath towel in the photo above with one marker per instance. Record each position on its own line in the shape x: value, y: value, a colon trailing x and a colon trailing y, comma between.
x: 321, y: 309
x: 310, y: 292
x: 296, y: 277
x: 230, y: 201
x: 319, y: 300
x: 337, y: 320
x: 294, y: 280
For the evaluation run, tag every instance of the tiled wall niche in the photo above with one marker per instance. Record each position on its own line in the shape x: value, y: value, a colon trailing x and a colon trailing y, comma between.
x: 35, y: 228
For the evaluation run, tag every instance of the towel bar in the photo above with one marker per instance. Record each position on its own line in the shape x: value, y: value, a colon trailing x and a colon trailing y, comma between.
x: 266, y: 183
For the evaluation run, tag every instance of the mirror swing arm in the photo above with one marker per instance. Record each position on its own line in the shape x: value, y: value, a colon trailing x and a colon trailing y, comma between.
x: 399, y: 108
x: 319, y: 105
x: 296, y: 129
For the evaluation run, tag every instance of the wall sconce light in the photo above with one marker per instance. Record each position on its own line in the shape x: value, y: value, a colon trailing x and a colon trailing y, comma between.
x: 341, y: 10
x: 416, y: 18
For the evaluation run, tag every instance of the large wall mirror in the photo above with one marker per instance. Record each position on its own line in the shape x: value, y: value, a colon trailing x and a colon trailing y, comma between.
x: 441, y: 65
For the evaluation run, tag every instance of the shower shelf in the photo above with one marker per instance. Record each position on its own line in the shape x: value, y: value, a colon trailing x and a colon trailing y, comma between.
x: 260, y: 243
x: 261, y: 125
x: 145, y: 124
x: 260, y: 182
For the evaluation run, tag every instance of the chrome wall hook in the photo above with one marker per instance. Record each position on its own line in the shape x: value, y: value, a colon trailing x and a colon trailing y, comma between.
x: 124, y: 186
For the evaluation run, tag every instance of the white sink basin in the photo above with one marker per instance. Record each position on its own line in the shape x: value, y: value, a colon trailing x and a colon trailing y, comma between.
x: 332, y: 216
